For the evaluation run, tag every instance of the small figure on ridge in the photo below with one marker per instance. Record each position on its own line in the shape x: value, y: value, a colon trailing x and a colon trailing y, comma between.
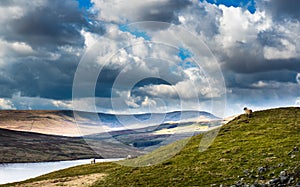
x: 248, y: 112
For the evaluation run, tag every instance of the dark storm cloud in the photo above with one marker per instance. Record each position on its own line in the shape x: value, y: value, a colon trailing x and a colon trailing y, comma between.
x: 48, y: 79
x: 247, y: 66
x: 5, y: 2
x: 246, y: 81
x: 270, y: 38
x: 164, y: 12
x: 105, y: 82
x: 282, y: 9
x: 245, y: 63
x: 116, y: 11
x: 54, y: 24
x: 249, y: 58
x: 52, y: 28
x: 7, y: 84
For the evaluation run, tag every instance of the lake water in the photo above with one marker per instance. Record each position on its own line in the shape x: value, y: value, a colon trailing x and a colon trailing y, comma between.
x: 14, y: 172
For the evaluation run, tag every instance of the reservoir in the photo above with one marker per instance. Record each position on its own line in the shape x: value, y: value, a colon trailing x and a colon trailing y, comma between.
x: 15, y: 172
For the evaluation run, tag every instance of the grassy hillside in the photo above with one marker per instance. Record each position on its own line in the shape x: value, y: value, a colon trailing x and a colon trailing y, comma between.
x: 53, y: 122
x: 16, y: 146
x: 246, y: 150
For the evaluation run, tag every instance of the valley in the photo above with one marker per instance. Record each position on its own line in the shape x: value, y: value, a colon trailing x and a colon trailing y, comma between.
x: 262, y: 151
x: 39, y: 136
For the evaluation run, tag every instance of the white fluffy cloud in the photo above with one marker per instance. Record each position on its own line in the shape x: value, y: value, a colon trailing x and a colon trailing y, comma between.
x: 62, y: 104
x: 235, y: 25
x: 6, y: 104
x: 15, y: 48
x: 275, y: 85
x: 16, y: 9
x: 226, y: 29
x: 288, y: 51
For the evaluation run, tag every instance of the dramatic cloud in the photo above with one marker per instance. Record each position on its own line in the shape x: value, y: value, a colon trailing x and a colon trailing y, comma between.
x: 256, y: 43
x: 282, y: 9
x: 209, y: 15
x: 40, y: 47
x: 44, y: 24
x: 148, y: 10
x: 259, y: 52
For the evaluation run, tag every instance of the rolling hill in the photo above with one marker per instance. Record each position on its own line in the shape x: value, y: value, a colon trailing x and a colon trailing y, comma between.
x: 62, y: 122
x: 35, y: 136
x: 17, y: 146
x: 261, y: 151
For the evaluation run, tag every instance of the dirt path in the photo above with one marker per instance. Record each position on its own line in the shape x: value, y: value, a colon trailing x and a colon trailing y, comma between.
x: 78, y: 181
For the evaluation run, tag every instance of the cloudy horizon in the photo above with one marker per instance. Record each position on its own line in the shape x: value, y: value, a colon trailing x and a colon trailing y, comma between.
x: 254, y: 44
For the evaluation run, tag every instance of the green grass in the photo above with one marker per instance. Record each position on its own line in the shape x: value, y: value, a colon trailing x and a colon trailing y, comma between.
x: 245, y: 143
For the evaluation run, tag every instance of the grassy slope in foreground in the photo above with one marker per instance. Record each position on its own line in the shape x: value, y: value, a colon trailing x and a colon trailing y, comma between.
x: 244, y: 143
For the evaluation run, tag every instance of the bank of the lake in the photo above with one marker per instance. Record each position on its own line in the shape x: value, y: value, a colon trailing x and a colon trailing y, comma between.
x: 22, y: 147
x: 15, y: 172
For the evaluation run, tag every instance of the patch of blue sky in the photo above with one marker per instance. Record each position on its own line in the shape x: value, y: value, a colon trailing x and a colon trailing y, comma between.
x: 86, y: 4
x: 134, y: 31
x: 248, y: 4
x: 184, y: 53
x: 187, y: 65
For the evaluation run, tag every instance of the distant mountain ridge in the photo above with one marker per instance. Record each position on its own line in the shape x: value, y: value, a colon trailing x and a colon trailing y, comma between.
x: 62, y: 122
x: 35, y: 135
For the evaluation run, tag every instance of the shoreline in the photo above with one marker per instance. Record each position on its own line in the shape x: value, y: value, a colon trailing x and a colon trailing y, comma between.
x: 18, y: 172
x: 49, y: 161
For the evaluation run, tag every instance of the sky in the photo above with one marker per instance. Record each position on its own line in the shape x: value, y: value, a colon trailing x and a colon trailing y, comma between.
x: 149, y: 56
